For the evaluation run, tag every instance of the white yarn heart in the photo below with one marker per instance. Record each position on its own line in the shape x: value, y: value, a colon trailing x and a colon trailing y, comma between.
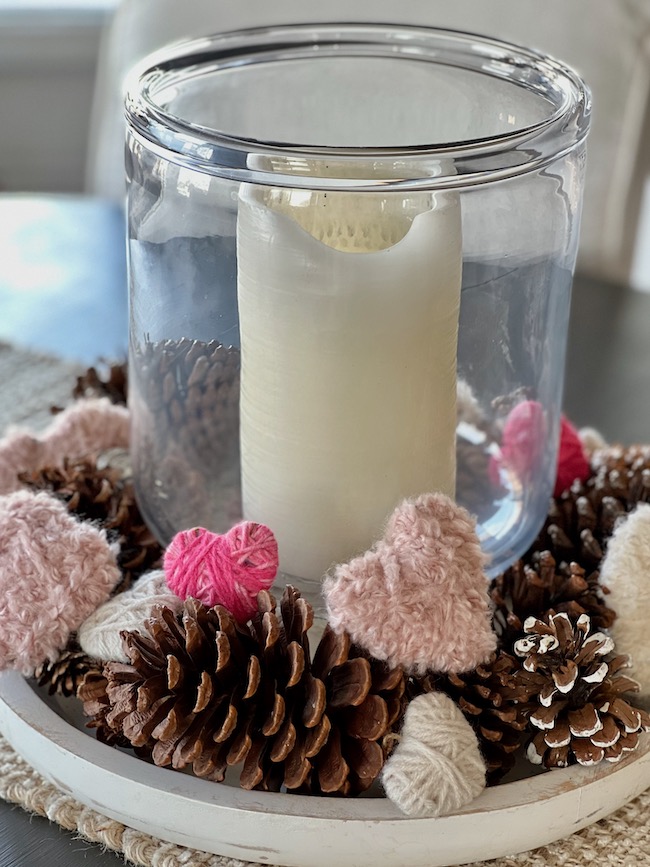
x: 99, y: 635
x: 437, y: 766
x: 625, y: 571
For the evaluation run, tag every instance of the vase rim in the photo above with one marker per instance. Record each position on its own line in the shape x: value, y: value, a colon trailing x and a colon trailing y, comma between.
x: 432, y: 165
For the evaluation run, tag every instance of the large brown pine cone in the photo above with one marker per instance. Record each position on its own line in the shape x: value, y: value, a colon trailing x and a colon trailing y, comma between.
x: 581, y: 519
x: 491, y: 699
x: 535, y: 588
x: 103, y: 496
x: 576, y: 689
x: 208, y: 693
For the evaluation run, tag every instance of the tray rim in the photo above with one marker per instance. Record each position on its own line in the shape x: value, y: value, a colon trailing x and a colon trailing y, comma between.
x: 66, y: 756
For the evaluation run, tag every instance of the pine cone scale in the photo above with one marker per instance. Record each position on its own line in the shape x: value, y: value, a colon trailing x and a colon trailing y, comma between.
x: 365, y: 759
x: 317, y: 736
x: 284, y: 742
x: 271, y: 725
x: 332, y: 768
x: 368, y: 720
x: 350, y: 683
x: 315, y: 701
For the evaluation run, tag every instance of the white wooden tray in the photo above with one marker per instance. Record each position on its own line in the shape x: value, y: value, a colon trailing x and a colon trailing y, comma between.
x: 296, y: 830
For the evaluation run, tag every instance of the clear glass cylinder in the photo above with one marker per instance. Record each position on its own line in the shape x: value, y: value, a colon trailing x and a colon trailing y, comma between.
x: 351, y: 250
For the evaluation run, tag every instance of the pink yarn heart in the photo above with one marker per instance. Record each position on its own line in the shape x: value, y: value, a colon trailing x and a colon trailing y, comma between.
x: 228, y: 569
x: 418, y: 599
x: 54, y: 572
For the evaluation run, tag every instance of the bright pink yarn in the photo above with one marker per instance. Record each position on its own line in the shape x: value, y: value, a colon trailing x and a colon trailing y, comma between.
x: 573, y: 462
x: 227, y: 570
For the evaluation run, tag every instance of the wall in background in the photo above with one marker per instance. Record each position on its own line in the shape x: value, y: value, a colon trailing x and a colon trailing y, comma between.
x: 48, y: 55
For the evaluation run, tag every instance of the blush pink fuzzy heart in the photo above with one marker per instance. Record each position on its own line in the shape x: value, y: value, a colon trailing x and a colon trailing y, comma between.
x: 228, y: 569
x: 418, y: 599
x: 87, y: 426
x: 54, y: 572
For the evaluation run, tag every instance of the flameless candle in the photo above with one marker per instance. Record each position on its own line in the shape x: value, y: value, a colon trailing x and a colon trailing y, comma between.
x: 348, y: 307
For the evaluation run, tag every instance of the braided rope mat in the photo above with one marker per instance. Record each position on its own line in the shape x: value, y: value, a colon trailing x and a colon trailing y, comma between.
x: 29, y: 384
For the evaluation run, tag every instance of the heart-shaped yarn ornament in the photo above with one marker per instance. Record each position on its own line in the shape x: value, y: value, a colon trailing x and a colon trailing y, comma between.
x: 437, y: 766
x: 419, y: 598
x: 228, y: 569
x: 54, y: 572
x: 99, y: 635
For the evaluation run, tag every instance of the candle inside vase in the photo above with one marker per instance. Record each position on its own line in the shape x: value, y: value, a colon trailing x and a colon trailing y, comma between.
x: 348, y: 310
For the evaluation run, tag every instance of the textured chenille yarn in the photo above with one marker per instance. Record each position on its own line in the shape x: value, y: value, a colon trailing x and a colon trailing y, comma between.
x: 437, y: 766
x: 418, y: 599
x: 85, y: 427
x: 99, y: 635
x: 228, y: 569
x: 54, y: 571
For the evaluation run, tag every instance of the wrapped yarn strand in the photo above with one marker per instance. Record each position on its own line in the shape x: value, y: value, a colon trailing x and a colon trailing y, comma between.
x: 99, y: 636
x: 437, y: 766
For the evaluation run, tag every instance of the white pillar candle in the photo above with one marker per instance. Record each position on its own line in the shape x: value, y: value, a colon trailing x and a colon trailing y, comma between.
x: 348, y: 310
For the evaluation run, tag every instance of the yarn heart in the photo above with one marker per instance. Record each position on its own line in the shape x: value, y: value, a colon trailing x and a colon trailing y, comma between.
x: 99, y: 635
x: 54, y: 571
x: 437, y: 766
x: 418, y: 599
x: 228, y: 569
x: 90, y: 425
x: 625, y: 572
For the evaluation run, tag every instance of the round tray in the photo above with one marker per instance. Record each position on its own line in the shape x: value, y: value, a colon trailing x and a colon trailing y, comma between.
x: 295, y: 830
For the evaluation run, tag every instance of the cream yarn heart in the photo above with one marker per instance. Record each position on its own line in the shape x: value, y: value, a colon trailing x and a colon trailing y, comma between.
x: 625, y: 571
x: 437, y: 766
x: 99, y: 635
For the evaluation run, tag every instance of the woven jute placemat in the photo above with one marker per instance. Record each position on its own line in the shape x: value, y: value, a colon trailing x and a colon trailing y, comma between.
x: 29, y: 385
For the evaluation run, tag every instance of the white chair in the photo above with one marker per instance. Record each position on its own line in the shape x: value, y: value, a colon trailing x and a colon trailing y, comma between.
x: 608, y: 41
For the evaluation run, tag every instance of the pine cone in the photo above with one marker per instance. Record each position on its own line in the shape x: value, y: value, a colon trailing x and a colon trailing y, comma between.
x: 108, y: 500
x: 114, y: 385
x: 67, y: 672
x: 208, y: 693
x: 491, y: 699
x: 192, y: 388
x: 581, y: 519
x: 96, y: 705
x: 186, y: 394
x: 536, y: 588
x: 576, y: 690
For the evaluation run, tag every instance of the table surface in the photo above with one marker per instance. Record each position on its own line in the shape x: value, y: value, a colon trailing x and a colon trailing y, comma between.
x: 63, y: 291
